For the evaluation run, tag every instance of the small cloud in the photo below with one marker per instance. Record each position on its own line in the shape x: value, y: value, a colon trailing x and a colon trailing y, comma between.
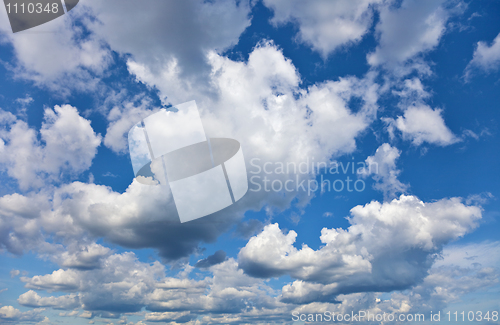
x: 14, y: 273
x: 474, y: 15
x: 327, y: 214
x: 91, y: 178
x: 217, y: 258
x: 25, y: 101
x: 479, y: 199
x: 109, y: 174
x: 295, y: 218
x: 486, y: 58
x: 420, y: 123
x: 383, y: 169
x: 471, y: 134
x: 86, y: 314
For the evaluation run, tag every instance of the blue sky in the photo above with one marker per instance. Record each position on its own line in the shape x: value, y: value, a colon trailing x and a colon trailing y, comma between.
x: 410, y: 86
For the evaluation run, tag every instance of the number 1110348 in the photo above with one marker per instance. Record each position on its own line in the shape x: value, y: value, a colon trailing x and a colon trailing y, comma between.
x: 472, y: 316
x: 30, y: 8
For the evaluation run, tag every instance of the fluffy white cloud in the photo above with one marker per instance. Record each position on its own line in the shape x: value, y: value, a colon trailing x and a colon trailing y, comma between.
x: 68, y: 145
x: 486, y: 57
x: 57, y: 55
x: 229, y: 296
x: 421, y: 123
x: 228, y: 291
x: 382, y: 167
x: 125, y: 284
x: 83, y: 257
x: 33, y: 299
x: 70, y: 141
x: 9, y: 312
x: 161, y: 31
x: 19, y: 222
x: 12, y: 315
x: 407, y: 31
x: 412, y: 92
x: 388, y: 246
x: 59, y: 280
x: 260, y: 104
x: 73, y: 57
x: 170, y: 35
x: 326, y: 25
x: 122, y: 116
x: 121, y: 284
x: 175, y: 47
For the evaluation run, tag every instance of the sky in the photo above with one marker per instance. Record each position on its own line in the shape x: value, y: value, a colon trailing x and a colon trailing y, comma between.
x: 396, y: 102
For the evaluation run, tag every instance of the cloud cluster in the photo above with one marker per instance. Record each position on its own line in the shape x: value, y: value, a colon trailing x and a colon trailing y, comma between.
x: 261, y: 104
x: 11, y: 315
x: 389, y: 246
x: 228, y: 295
x: 124, y: 284
x: 175, y: 48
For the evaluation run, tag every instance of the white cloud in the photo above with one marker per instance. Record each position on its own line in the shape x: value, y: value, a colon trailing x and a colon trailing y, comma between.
x: 121, y: 119
x: 122, y: 284
x: 14, y: 273
x: 85, y: 314
x: 412, y: 92
x: 382, y: 167
x: 83, y: 257
x: 224, y: 296
x: 33, y: 299
x: 260, y: 104
x: 25, y: 101
x: 486, y: 58
x: 71, y: 57
x: 57, y: 55
x: 70, y: 141
x: 10, y: 314
x: 68, y: 145
x: 167, y: 34
x: 125, y: 284
x: 59, y: 280
x: 326, y: 25
x: 421, y: 123
x: 408, y: 31
x: 19, y: 222
x: 388, y: 246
